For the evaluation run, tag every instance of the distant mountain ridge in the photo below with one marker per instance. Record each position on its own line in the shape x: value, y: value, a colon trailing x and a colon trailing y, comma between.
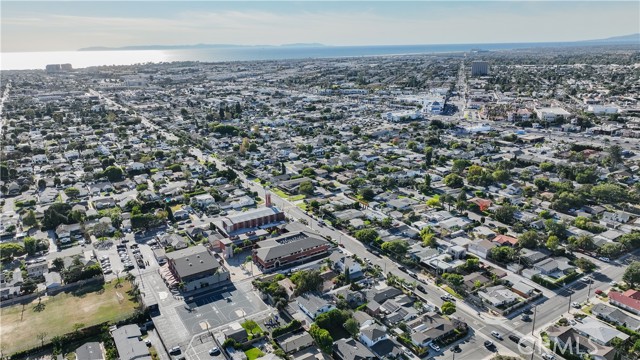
x: 623, y: 39
x: 619, y: 39
x: 193, y: 46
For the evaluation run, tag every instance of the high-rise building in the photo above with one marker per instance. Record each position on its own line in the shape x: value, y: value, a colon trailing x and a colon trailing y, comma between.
x: 479, y: 68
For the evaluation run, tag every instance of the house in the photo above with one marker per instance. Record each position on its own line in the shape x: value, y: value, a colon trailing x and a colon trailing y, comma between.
x: 505, y: 240
x: 363, y: 318
x: 65, y: 233
x: 341, y: 263
x: 52, y: 280
x: 128, y: 340
x: 598, y: 331
x: 259, y: 217
x: 90, y: 351
x: 498, y: 296
x: 174, y: 240
x: 566, y: 337
x: 349, y: 349
x: 554, y: 267
x: 196, y: 268
x: 237, y: 333
x: 314, y: 305
x: 628, y: 300
x: 292, y: 343
x: 615, y: 316
x: 203, y: 200
x: 430, y: 328
x: 372, y: 334
x: 481, y: 248
x: 37, y: 269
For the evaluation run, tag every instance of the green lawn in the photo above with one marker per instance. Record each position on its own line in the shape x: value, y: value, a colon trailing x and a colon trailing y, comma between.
x: 451, y: 291
x: 21, y: 324
x: 252, y: 327
x: 296, y: 197
x: 253, y: 353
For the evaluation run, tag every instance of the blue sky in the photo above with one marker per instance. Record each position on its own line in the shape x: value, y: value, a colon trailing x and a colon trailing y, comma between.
x: 69, y: 25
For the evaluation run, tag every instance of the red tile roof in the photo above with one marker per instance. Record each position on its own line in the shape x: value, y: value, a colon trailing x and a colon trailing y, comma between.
x: 634, y: 294
x: 625, y: 299
x: 504, y: 239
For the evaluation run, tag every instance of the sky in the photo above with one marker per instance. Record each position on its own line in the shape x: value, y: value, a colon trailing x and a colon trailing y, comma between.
x: 70, y: 25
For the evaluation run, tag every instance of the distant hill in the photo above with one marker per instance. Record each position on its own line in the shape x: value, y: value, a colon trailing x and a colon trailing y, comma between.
x: 632, y: 38
x: 193, y: 46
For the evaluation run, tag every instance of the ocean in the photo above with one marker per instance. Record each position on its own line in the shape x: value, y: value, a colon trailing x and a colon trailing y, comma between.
x: 83, y: 59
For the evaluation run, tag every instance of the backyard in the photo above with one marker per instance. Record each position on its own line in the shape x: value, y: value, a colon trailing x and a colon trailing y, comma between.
x: 27, y: 326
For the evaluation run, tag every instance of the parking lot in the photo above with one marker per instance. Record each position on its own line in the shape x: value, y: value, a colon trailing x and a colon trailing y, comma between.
x: 220, y: 308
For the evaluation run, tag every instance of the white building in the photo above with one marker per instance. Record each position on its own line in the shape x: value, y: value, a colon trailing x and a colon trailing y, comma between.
x: 398, y: 116
x: 551, y: 113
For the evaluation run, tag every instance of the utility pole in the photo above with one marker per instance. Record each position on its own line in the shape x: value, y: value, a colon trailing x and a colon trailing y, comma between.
x: 533, y: 351
x: 589, y: 291
x: 569, y: 305
x: 533, y: 322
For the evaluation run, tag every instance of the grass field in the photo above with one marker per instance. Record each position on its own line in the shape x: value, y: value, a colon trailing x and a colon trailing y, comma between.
x: 253, y: 353
x: 20, y: 325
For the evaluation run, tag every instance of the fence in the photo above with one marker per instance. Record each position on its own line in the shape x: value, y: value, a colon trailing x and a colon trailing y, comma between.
x: 25, y: 299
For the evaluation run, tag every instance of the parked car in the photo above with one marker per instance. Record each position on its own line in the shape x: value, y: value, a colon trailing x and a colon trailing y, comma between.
x: 214, y: 351
x: 575, y: 305
x: 546, y: 356
x: 604, y: 259
x: 175, y: 350
x: 434, y: 347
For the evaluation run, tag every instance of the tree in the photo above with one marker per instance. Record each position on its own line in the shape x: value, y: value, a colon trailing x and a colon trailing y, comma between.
x: 541, y: 183
x: 556, y: 228
x: 56, y: 214
x: 356, y: 183
x: 30, y: 245
x: 306, y: 188
x: 367, y: 194
x: 615, y: 155
x: 611, y: 250
x: 42, y: 183
x: 459, y: 165
x: 503, y: 254
x: 448, y: 308
x: 585, y: 265
x: 504, y: 214
x: 41, y: 336
x: 472, y: 264
x: 583, y: 242
x: 10, y: 250
x: 428, y: 237
x: 72, y: 192
x: 58, y: 264
x: 113, y: 173
x: 322, y: 337
x: 529, y: 239
x: 453, y: 181
x: 609, y: 193
x: 501, y: 175
x: 453, y: 279
x: 397, y: 247
x: 632, y: 274
x: 100, y: 229
x: 386, y: 223
x: 366, y: 235
x: 552, y: 243
x: 352, y: 326
x: 306, y: 280
x: 30, y: 219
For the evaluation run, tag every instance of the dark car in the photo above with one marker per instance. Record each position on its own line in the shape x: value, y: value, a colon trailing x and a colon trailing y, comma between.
x: 421, y: 288
x: 488, y: 344
x: 514, y: 338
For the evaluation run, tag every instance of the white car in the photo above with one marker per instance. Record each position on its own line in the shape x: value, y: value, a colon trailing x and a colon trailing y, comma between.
x: 613, y: 283
x: 434, y: 347
x: 575, y: 305
x: 496, y: 335
x: 604, y: 259
x: 548, y: 356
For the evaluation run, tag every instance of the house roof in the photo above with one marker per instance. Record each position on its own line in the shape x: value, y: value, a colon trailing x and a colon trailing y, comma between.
x: 626, y: 298
x: 90, y: 351
x: 252, y: 214
x: 505, y: 240
x: 127, y: 339
x: 598, y: 330
x: 312, y: 302
x: 193, y: 260
x: 349, y: 349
